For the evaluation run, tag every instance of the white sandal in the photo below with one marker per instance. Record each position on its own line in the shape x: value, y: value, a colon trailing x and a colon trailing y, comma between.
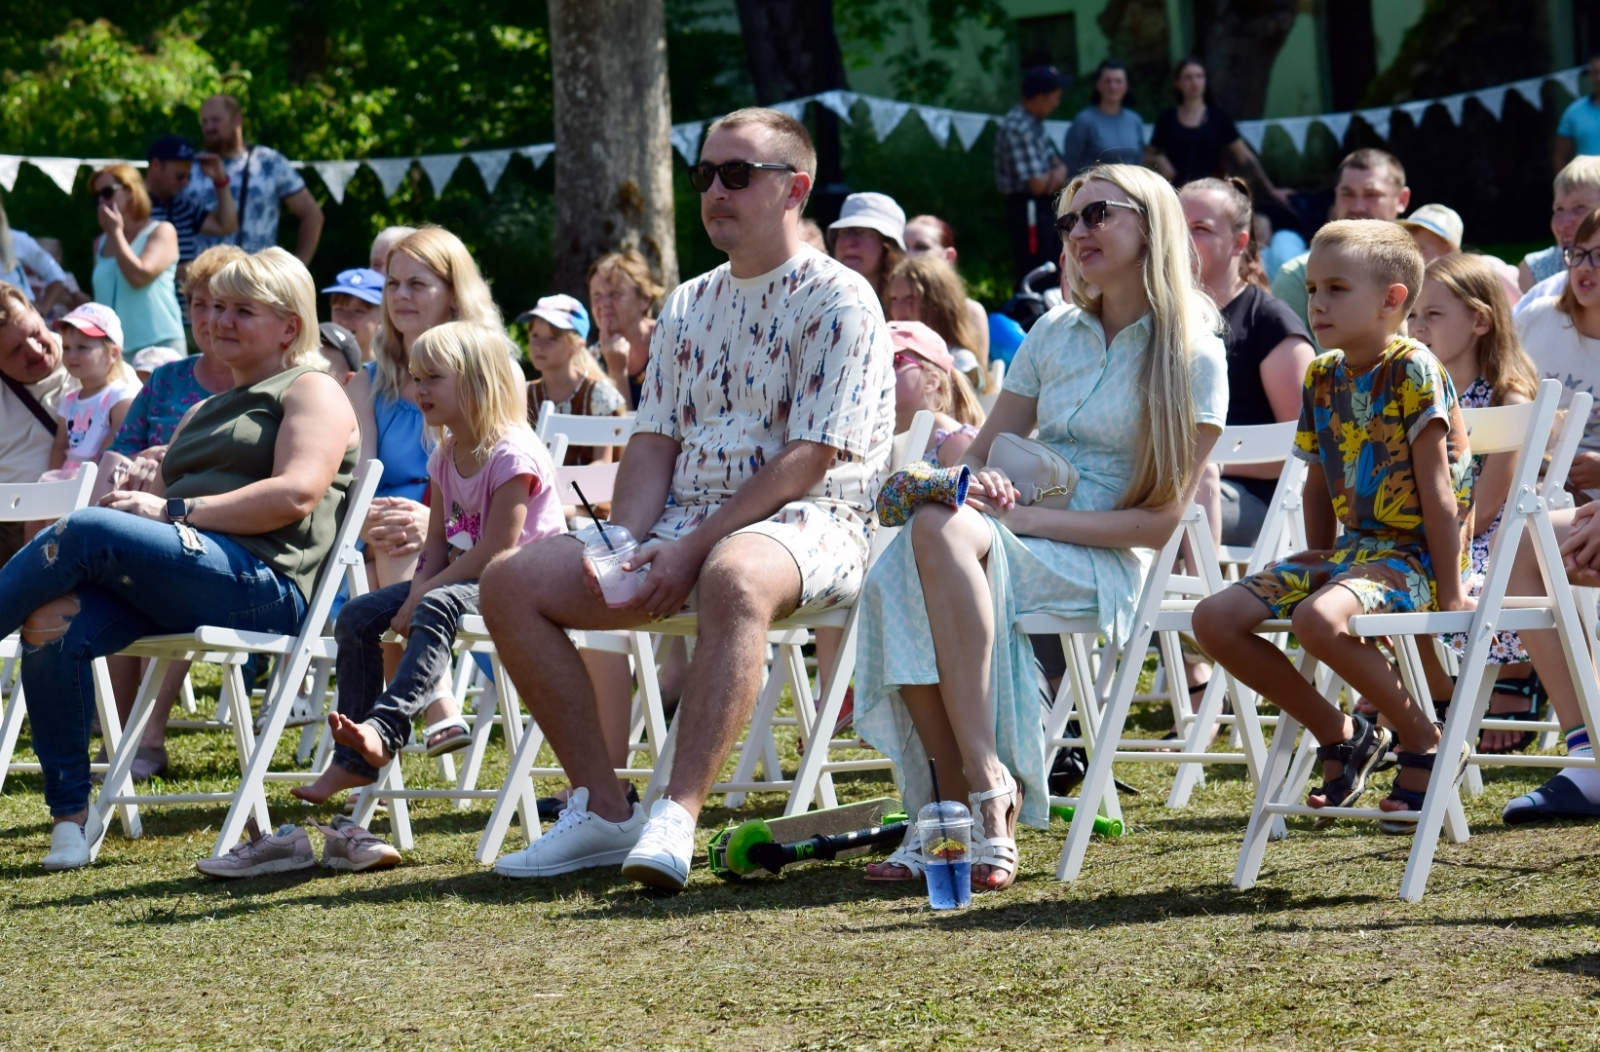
x: 449, y: 743
x: 907, y: 856
x: 997, y: 851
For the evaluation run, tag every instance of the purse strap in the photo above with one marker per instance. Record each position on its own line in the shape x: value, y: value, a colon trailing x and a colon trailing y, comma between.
x: 40, y: 413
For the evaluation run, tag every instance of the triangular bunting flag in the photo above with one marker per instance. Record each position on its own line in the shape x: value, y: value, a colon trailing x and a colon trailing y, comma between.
x: 538, y: 154
x: 1377, y: 120
x: 10, y: 164
x: 1530, y: 89
x: 686, y: 140
x: 1493, y: 100
x: 390, y: 170
x: 63, y: 171
x: 491, y: 165
x: 1453, y: 105
x: 1296, y: 128
x: 968, y: 126
x: 336, y: 175
x: 1415, y: 110
x: 937, y: 122
x: 1568, y: 78
x: 839, y: 102
x: 440, y: 168
x: 1056, y: 132
x: 1338, y: 124
x: 886, y: 115
x: 1253, y: 132
x: 795, y: 108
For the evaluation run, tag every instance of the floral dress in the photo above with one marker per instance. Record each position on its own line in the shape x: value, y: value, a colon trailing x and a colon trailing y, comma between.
x: 1507, y: 646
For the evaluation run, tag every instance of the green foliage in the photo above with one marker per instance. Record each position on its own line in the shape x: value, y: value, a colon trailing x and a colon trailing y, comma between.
x: 868, y: 29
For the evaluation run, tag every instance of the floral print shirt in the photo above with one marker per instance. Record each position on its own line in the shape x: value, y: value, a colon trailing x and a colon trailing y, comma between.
x: 159, y: 407
x: 740, y: 367
x: 1360, y: 425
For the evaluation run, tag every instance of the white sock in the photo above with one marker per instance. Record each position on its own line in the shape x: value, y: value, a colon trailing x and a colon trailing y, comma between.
x: 1587, y: 779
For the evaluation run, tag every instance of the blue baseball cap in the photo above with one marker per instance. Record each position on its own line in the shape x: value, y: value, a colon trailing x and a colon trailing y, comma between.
x: 362, y: 283
x: 563, y: 312
x: 171, y: 148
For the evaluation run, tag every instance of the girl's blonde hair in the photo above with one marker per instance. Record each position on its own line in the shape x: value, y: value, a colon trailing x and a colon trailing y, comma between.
x: 1181, y: 315
x: 956, y: 397
x: 490, y: 389
x: 444, y: 254
x: 279, y: 280
x: 580, y: 349
x: 117, y: 368
x: 1502, y: 362
x: 206, y: 265
x: 128, y: 175
x: 943, y: 299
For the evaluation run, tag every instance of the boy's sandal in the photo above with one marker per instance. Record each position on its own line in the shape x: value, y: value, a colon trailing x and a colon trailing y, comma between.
x: 1531, y: 690
x: 1413, y: 798
x: 999, y: 852
x: 448, y: 735
x: 903, y: 865
x: 1357, y: 755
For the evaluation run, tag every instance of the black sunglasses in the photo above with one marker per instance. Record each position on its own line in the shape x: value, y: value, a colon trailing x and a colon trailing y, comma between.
x: 735, y: 174
x: 106, y: 193
x: 1093, y: 215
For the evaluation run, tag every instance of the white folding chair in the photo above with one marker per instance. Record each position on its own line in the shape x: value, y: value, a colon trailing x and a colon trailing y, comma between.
x: 991, y: 393
x: 1525, y: 428
x: 583, y: 430
x: 231, y: 648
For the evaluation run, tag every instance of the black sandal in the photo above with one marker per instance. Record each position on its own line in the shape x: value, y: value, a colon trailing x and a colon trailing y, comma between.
x: 1356, y: 754
x: 1529, y: 688
x: 1413, y: 798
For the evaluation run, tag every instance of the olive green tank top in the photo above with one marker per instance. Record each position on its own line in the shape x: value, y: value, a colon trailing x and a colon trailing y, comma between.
x: 228, y: 444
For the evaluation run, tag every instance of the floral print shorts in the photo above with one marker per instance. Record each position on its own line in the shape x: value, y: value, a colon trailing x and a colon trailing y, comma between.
x: 1388, y: 576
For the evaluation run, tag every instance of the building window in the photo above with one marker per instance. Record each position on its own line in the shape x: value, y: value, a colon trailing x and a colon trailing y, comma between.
x: 1049, y: 41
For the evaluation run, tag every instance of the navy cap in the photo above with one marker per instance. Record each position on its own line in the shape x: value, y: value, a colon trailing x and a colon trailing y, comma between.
x: 171, y: 148
x: 342, y: 340
x: 362, y: 283
x: 1041, y: 80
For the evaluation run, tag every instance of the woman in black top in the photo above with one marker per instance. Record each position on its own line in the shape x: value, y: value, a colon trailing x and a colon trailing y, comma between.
x: 1192, y: 138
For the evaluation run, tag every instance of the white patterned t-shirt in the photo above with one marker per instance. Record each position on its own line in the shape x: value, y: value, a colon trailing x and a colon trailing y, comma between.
x: 739, y: 368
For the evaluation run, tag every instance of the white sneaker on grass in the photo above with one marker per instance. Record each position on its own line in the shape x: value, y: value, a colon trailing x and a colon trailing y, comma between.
x: 69, y: 847
x: 580, y: 839
x: 666, y: 845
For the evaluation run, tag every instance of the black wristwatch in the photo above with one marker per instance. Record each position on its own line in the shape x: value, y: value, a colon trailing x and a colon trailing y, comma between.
x: 177, y: 510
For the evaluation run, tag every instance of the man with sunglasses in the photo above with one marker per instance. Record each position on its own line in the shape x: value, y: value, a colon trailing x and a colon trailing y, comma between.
x: 762, y: 436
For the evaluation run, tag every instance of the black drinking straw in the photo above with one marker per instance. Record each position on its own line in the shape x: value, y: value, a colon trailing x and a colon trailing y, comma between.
x: 933, y: 772
x: 601, y: 527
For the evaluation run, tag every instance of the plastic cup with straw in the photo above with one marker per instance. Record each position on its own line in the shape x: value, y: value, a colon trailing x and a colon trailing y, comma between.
x: 608, y: 549
x: 945, y: 828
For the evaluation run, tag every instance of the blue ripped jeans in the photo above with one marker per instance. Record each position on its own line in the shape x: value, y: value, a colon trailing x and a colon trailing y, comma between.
x: 133, y: 578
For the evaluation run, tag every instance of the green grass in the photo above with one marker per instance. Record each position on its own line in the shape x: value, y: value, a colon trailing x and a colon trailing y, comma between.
x: 1150, y: 949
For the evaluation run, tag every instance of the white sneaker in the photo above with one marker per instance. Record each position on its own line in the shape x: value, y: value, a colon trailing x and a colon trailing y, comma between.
x: 580, y: 839
x: 69, y: 847
x: 666, y: 844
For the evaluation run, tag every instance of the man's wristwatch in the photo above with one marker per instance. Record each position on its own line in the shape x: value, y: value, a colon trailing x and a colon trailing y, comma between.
x: 177, y: 510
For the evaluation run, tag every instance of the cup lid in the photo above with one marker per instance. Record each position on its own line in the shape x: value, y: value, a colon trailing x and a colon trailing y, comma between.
x: 948, y: 812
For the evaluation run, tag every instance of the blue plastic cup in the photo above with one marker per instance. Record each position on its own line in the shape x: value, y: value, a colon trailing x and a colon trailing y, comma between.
x: 945, y: 829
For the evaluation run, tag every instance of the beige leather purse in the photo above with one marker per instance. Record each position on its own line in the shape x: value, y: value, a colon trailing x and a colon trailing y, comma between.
x: 1042, y: 476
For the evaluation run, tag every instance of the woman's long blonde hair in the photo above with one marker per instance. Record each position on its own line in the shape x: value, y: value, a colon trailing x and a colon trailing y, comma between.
x: 277, y: 279
x: 1502, y: 362
x: 942, y: 297
x: 479, y: 357
x: 1180, y: 316
x: 444, y: 254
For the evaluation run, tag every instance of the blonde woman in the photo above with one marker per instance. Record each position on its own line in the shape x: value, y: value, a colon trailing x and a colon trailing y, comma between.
x: 257, y: 510
x: 497, y: 482
x: 624, y: 295
x: 1130, y: 384
x: 135, y: 262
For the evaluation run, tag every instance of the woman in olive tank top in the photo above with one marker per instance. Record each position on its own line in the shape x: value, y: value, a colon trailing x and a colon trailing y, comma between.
x: 230, y: 529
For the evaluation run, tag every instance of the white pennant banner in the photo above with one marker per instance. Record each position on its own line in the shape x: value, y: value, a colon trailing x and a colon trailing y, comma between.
x: 63, y: 171
x: 1531, y: 89
x: 1337, y: 124
x: 1568, y: 78
x: 795, y: 108
x: 538, y: 154
x: 336, y: 175
x: 389, y: 172
x: 886, y: 115
x: 1253, y: 132
x: 937, y: 122
x: 968, y: 126
x: 491, y: 165
x: 686, y: 140
x: 1377, y: 120
x: 441, y: 167
x: 10, y: 165
x: 838, y: 101
x: 1493, y: 100
x: 1056, y: 132
x: 1296, y: 128
x: 1453, y: 105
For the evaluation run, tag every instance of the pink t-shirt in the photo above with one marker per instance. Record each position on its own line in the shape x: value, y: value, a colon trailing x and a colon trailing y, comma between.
x: 466, y: 500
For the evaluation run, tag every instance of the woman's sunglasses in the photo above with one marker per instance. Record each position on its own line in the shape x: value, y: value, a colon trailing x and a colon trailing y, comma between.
x: 904, y: 358
x: 735, y: 175
x: 1582, y: 257
x: 106, y: 193
x: 1093, y: 215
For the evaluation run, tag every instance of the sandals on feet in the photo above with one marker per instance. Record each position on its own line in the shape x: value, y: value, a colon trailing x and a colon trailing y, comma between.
x: 999, y: 852
x: 907, y: 857
x: 1532, y: 691
x: 1357, y: 755
x: 1413, y: 798
x: 456, y: 736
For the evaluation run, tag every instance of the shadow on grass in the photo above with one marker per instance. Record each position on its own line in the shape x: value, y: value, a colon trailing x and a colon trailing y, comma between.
x: 1583, y: 965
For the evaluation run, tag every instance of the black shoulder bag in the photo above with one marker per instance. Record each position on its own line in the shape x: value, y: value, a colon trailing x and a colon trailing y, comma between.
x: 40, y: 413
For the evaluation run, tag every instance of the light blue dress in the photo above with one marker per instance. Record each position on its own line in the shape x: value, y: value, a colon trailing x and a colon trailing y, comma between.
x: 1089, y: 412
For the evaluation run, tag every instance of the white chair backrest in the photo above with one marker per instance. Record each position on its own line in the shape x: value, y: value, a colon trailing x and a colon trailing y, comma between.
x: 1254, y: 443
x: 1498, y: 429
x: 598, y: 482
x: 344, y: 561
x: 583, y: 430
x: 27, y: 501
x: 1565, y: 448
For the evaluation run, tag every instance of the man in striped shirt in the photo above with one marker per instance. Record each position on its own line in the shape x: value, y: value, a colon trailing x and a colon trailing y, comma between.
x: 172, y: 159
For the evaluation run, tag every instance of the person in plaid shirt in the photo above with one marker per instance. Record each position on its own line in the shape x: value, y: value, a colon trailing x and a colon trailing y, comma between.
x: 1029, y: 171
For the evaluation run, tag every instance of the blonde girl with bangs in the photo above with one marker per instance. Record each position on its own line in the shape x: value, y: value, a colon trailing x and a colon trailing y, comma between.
x: 927, y: 289
x: 493, y: 490
x: 257, y: 509
x: 1129, y: 383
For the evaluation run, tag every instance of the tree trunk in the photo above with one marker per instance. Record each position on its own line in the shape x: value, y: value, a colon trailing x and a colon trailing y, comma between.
x: 613, y: 129
x: 1240, y: 47
x: 793, y: 51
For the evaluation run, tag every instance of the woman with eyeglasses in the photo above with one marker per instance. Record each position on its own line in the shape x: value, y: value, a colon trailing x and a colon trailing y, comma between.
x: 135, y: 262
x: 1129, y: 384
x: 869, y: 238
x: 1562, y: 336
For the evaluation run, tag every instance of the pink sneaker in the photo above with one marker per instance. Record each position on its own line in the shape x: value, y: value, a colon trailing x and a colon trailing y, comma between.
x: 287, y: 849
x: 350, y: 847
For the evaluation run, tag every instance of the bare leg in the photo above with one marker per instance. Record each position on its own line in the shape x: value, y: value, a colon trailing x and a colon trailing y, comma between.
x: 613, y: 689
x: 358, y: 736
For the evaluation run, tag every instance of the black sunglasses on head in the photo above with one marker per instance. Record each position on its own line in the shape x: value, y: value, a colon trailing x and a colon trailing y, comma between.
x: 735, y: 175
x: 1093, y: 216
